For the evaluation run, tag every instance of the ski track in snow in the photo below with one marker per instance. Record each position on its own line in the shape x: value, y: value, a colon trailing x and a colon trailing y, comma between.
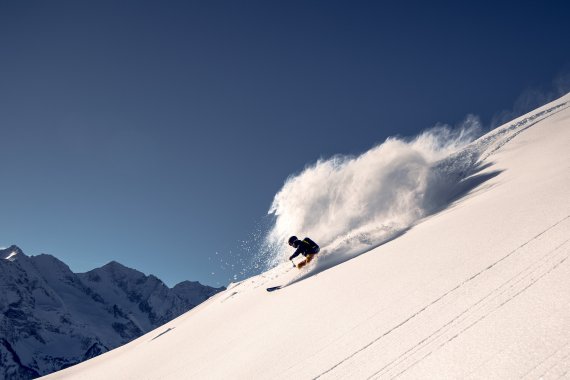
x: 534, y: 275
x: 164, y: 332
x: 532, y: 120
x: 450, y: 331
x: 540, y: 370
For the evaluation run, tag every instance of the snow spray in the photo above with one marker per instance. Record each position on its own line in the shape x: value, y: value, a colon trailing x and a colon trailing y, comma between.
x: 351, y: 204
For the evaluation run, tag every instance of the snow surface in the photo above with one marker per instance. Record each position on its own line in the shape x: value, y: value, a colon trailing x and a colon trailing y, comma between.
x: 479, y: 289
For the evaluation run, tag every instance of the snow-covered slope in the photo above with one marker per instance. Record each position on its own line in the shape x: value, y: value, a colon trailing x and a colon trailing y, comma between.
x: 53, y: 318
x: 480, y: 289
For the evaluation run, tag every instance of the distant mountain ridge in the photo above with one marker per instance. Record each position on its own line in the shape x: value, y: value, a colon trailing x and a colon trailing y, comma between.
x: 52, y: 318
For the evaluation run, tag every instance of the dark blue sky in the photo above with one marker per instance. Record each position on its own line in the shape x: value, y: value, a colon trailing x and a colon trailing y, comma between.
x: 157, y: 133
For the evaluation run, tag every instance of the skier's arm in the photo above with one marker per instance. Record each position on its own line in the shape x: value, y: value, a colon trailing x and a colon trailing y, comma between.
x: 297, y: 253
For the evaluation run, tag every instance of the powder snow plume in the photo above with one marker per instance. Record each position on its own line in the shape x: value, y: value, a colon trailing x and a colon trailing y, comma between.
x: 350, y: 205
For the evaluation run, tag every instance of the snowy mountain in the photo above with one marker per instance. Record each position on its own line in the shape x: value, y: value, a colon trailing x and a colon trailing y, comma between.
x: 53, y: 318
x: 470, y: 277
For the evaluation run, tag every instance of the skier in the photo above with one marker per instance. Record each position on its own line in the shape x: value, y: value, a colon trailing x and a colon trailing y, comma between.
x: 305, y: 247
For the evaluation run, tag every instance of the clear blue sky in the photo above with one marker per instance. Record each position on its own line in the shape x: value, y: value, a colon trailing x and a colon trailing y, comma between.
x: 157, y: 133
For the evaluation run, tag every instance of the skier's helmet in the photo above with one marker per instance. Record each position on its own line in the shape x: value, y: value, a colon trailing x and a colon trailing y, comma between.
x: 292, y: 240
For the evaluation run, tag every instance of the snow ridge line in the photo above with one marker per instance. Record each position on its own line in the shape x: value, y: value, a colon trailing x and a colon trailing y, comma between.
x: 480, y: 306
x: 534, y: 119
x: 440, y: 298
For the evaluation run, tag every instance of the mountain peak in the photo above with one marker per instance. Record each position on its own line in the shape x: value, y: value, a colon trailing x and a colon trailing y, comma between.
x: 115, y: 265
x: 115, y: 268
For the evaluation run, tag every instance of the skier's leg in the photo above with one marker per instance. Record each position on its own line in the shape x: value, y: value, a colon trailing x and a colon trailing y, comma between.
x: 309, y: 257
x: 302, y: 263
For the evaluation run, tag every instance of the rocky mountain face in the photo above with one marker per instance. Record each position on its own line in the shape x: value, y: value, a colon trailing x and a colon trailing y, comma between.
x: 52, y: 318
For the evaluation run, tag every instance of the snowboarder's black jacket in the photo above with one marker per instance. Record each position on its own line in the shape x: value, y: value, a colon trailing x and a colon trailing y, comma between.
x: 305, y: 247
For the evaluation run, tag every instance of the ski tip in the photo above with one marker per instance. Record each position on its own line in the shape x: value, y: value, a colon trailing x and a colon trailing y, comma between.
x: 273, y: 288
